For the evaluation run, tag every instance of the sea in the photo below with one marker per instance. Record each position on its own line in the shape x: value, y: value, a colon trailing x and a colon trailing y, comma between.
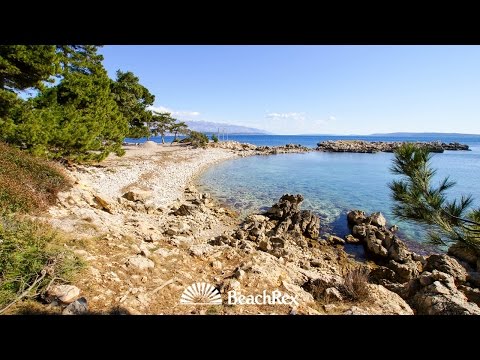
x: 334, y: 183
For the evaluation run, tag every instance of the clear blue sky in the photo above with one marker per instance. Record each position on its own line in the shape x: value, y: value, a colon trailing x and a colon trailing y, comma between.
x: 312, y: 89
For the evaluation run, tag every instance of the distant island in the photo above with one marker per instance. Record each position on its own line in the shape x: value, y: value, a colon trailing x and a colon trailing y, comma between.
x: 213, y: 127
x: 422, y: 134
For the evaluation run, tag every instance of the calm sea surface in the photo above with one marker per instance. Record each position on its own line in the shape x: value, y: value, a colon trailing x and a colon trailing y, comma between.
x: 333, y: 183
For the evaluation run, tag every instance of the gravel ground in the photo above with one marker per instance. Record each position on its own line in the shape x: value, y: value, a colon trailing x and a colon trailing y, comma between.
x: 163, y: 169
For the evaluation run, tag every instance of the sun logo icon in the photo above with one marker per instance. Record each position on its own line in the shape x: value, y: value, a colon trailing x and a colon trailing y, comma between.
x: 201, y: 293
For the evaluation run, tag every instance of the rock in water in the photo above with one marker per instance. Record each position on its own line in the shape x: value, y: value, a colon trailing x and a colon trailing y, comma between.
x: 78, y: 307
x: 377, y: 219
x: 356, y: 217
x: 287, y: 206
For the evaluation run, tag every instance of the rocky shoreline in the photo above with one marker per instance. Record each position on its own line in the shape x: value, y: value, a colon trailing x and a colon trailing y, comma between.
x: 349, y: 146
x: 360, y: 146
x: 150, y: 242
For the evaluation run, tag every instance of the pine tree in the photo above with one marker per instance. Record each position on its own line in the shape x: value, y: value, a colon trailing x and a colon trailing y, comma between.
x: 132, y: 99
x: 178, y: 128
x: 80, y: 114
x: 416, y: 199
x: 161, y: 123
x: 22, y: 67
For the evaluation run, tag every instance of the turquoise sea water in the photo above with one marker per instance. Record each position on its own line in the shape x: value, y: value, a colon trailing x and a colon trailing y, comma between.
x: 332, y: 183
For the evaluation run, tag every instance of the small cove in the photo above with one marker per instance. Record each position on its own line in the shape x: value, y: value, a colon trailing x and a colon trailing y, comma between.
x: 332, y: 184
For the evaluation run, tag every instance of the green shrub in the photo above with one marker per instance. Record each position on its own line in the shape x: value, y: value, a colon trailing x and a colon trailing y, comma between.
x: 197, y: 139
x: 28, y: 183
x: 28, y: 250
x: 214, y: 138
x: 30, y: 254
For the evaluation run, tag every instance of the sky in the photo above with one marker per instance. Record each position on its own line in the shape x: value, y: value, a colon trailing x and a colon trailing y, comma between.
x: 312, y: 89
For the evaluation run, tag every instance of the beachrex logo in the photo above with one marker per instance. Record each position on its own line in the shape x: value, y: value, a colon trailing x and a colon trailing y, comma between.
x: 275, y: 297
x: 202, y: 293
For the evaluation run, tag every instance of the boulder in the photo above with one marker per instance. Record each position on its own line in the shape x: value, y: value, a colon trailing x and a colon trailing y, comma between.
x: 239, y: 274
x: 78, y: 307
x: 137, y: 195
x: 356, y: 217
x: 465, y: 253
x: 350, y: 239
x: 472, y: 294
x: 332, y: 239
x: 374, y: 246
x: 377, y: 219
x: 398, y: 251
x: 448, y: 265
x: 404, y: 272
x: 308, y: 223
x: 302, y: 296
x: 317, y: 286
x: 385, y: 302
x: 287, y: 206
x: 441, y: 297
x: 381, y: 273
x: 359, y: 231
x: 102, y: 204
x: 64, y: 293
x: 140, y: 262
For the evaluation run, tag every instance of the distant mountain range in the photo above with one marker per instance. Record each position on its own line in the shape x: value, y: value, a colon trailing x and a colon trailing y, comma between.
x: 213, y: 127
x: 425, y: 134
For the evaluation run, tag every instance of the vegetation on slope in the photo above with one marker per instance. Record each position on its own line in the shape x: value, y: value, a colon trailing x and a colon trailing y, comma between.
x: 31, y: 255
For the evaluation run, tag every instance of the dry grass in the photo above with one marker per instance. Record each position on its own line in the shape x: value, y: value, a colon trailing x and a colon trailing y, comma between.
x: 28, y: 184
x: 355, y: 285
x: 30, y: 252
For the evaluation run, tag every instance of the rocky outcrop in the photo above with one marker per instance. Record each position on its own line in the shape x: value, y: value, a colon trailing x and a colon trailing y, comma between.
x: 448, y: 265
x: 435, y: 293
x: 436, y: 284
x: 465, y: 253
x: 283, y: 222
x: 249, y: 149
x: 360, y: 146
x: 382, y: 243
